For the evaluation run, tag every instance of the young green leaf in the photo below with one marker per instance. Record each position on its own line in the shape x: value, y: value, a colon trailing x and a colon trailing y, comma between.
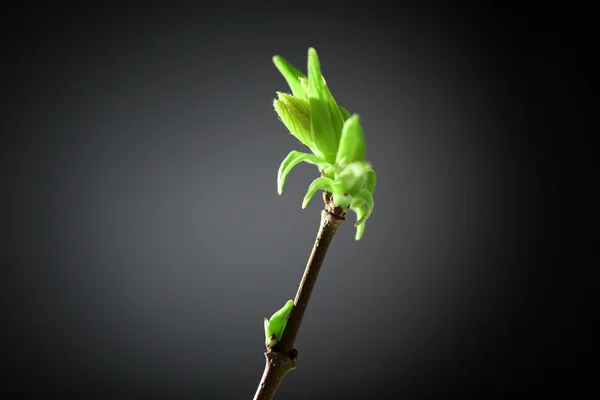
x: 321, y: 124
x: 294, y: 114
x: 324, y: 183
x: 275, y: 325
x: 293, y: 159
x: 352, y: 143
x: 292, y: 76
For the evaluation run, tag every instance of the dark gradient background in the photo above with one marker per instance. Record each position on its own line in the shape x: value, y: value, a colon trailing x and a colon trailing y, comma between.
x: 144, y: 240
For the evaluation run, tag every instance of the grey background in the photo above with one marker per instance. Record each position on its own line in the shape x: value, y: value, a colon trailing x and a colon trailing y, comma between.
x: 144, y: 239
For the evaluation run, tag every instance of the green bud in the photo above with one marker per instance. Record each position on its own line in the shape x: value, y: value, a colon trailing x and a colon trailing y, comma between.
x: 275, y: 325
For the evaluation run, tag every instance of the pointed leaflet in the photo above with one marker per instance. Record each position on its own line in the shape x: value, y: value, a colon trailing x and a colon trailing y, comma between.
x: 322, y: 128
x: 293, y: 159
x: 352, y: 143
x: 294, y: 113
x: 324, y: 183
x: 292, y: 76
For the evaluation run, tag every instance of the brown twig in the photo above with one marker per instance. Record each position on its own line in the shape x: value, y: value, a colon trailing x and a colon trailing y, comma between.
x: 281, y: 359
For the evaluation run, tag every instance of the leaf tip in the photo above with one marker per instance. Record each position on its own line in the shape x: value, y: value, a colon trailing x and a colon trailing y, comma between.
x: 278, y: 60
x: 359, y: 232
x: 313, y: 59
x: 354, y: 119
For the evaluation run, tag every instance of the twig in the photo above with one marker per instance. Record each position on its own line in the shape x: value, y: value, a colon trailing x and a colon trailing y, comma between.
x: 281, y: 359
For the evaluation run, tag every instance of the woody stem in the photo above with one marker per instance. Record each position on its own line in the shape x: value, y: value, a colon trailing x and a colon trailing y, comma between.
x: 281, y: 359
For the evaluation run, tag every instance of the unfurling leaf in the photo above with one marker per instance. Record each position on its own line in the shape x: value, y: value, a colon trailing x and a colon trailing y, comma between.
x: 293, y: 159
x: 295, y: 115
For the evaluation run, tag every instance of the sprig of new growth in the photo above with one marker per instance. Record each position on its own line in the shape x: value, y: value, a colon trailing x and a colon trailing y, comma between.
x: 337, y: 145
x: 334, y: 137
